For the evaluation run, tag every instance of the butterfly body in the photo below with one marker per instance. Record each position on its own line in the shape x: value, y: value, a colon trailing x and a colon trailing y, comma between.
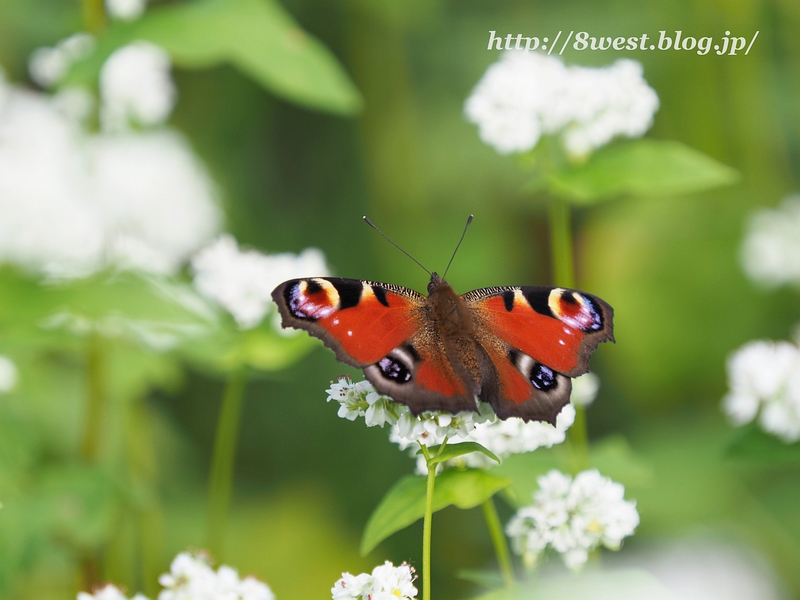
x: 514, y: 347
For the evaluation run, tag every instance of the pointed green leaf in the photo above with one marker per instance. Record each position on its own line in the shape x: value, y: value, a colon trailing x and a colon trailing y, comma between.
x: 641, y: 168
x: 257, y: 36
x: 404, y: 503
x: 455, y: 450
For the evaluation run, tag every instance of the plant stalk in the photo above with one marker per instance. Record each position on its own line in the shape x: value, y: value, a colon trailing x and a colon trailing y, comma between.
x: 499, y: 541
x: 563, y: 266
x: 426, y: 527
x: 222, y: 461
x: 94, y: 15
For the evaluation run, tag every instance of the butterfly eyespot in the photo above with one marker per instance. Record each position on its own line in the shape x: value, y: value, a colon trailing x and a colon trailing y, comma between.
x: 393, y: 369
x: 543, y: 378
x: 576, y: 310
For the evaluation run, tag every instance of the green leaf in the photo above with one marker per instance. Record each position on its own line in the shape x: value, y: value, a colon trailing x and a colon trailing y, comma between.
x: 257, y: 36
x: 754, y: 444
x: 641, y: 168
x: 488, y: 579
x: 455, y: 450
x: 404, y: 503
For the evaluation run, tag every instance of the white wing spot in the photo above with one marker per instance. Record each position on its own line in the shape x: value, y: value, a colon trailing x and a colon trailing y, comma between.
x: 350, y: 333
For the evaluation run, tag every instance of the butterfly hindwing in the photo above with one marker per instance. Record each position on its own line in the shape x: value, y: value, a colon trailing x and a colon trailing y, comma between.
x: 383, y: 329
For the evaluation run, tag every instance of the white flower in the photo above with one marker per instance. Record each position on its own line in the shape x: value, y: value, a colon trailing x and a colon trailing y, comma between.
x: 526, y: 95
x: 512, y: 436
x: 242, y: 281
x: 584, y: 389
x: 155, y: 199
x: 71, y: 203
x: 108, y: 592
x: 8, y: 374
x: 47, y: 223
x: 771, y: 250
x: 191, y: 578
x: 136, y: 87
x: 765, y: 375
x: 47, y: 66
x: 386, y: 582
x: 125, y: 10
x: 574, y: 517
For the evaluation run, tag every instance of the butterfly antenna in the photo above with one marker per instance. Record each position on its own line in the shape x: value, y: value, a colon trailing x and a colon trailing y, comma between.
x: 469, y: 220
x: 375, y: 227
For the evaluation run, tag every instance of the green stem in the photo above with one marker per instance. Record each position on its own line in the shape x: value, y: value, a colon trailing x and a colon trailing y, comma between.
x: 561, y: 243
x: 499, y: 541
x: 96, y: 398
x: 563, y: 265
x: 426, y: 527
x: 96, y: 407
x: 94, y: 15
x: 222, y: 461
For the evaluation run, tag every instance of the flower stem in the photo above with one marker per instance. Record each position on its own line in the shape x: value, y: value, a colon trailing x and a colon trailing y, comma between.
x: 222, y: 461
x: 426, y: 527
x: 94, y: 15
x: 96, y: 407
x: 499, y: 541
x: 563, y: 265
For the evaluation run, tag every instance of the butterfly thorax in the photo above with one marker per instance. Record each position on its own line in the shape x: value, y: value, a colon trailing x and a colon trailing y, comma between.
x: 447, y: 309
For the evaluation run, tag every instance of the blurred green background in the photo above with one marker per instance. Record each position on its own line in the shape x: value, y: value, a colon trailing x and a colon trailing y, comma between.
x: 294, y: 177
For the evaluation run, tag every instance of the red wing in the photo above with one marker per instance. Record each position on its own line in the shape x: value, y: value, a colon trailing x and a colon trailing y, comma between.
x: 556, y: 327
x: 383, y: 329
x: 362, y: 321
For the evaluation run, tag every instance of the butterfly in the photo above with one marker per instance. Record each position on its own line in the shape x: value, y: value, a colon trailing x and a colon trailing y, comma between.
x: 513, y: 347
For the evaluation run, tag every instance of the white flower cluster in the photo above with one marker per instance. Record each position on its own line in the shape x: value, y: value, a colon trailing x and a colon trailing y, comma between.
x: 765, y: 376
x: 429, y: 428
x: 73, y: 202
x: 48, y: 66
x: 771, y: 250
x: 136, y: 87
x: 191, y: 578
x: 386, y: 582
x: 242, y: 280
x: 8, y: 374
x: 108, y: 592
x: 512, y: 436
x: 574, y: 517
x: 502, y: 437
x: 125, y: 10
x: 526, y: 95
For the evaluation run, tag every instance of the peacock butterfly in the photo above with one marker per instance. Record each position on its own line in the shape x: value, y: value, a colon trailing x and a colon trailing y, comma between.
x: 514, y: 347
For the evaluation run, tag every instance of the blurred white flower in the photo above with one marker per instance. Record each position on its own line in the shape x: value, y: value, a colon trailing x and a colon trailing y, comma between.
x: 584, y: 389
x: 242, y: 280
x: 136, y: 87
x: 108, y: 592
x: 70, y: 203
x: 765, y: 375
x: 8, y: 374
x: 155, y: 199
x: 73, y: 102
x: 47, y: 66
x: 191, y: 578
x: 386, y: 582
x: 526, y: 95
x: 125, y: 10
x: 574, y: 517
x: 47, y: 223
x: 771, y: 250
